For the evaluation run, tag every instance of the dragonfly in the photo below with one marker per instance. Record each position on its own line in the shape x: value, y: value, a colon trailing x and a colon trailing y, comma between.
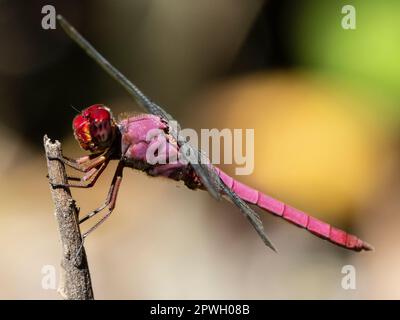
x: 128, y: 142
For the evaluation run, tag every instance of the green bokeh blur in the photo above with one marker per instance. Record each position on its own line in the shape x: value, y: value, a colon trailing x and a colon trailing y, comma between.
x: 366, y: 58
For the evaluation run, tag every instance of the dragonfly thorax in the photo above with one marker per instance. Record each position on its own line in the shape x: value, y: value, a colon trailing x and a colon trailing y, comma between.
x: 95, y: 128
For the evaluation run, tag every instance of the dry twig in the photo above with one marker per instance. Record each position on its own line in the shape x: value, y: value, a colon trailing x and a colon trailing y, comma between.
x: 75, y: 283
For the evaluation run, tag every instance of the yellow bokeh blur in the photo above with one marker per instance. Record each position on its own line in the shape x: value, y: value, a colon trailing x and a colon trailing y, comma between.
x: 314, y: 148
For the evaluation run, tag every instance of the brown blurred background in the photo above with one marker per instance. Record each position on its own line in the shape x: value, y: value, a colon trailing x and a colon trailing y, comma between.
x: 324, y: 103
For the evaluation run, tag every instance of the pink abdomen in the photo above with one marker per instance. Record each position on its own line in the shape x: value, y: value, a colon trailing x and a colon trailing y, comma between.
x: 295, y: 216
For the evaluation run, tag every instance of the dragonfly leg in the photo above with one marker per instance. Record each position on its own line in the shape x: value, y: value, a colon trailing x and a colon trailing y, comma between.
x: 93, y: 174
x: 82, y: 164
x: 72, y: 178
x: 86, y: 177
x: 99, y: 209
x: 73, y: 163
x: 110, y: 201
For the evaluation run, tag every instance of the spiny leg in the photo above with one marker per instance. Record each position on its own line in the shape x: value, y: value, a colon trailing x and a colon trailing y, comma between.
x: 85, y: 163
x: 84, y: 182
x: 72, y: 178
x: 110, y: 208
x: 86, y: 177
x: 105, y: 204
x: 99, y: 209
x: 110, y: 200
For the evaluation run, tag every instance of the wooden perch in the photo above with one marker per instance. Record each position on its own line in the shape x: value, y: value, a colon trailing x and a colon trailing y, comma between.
x: 75, y: 283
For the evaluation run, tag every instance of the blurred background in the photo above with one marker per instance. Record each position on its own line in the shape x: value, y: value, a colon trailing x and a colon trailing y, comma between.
x: 324, y: 103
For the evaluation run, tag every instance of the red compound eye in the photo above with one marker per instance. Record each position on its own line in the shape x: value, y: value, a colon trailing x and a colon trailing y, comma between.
x: 79, y: 122
x: 92, y: 128
x: 97, y: 113
x: 81, y: 126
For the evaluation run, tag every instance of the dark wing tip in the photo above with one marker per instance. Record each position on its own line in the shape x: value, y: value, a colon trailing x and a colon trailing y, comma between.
x: 269, y: 243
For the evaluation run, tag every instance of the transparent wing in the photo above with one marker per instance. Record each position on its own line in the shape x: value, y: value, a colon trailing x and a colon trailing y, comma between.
x: 249, y: 213
x: 196, y: 158
x: 199, y: 163
x: 221, y: 187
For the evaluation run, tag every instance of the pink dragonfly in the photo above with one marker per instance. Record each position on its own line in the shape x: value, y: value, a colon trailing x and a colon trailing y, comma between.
x: 128, y: 141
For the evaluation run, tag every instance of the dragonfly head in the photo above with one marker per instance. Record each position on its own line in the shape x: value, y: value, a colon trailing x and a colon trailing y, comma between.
x: 95, y: 128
